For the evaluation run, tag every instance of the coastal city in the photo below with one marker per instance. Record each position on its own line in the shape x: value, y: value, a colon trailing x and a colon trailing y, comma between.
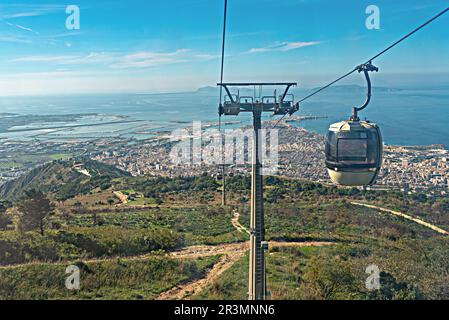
x: 301, y: 155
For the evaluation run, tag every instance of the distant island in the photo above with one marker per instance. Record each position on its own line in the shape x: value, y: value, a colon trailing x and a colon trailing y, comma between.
x: 357, y: 88
x: 333, y: 89
x: 207, y: 89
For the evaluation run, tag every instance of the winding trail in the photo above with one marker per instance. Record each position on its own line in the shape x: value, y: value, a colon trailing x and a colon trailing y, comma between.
x: 229, y: 257
x: 405, y: 216
x: 122, y: 197
x: 235, y: 222
x: 231, y: 253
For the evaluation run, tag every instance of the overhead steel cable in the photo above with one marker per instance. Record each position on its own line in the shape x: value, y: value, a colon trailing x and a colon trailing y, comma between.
x: 328, y: 85
x: 223, y: 50
x: 370, y: 60
x: 377, y: 55
x: 220, y: 105
x: 409, y: 35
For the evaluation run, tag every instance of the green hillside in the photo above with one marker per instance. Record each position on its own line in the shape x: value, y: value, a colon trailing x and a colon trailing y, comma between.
x: 63, y: 179
x: 325, y: 238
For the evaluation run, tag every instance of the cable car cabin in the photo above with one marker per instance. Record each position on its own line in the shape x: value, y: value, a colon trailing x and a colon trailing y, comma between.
x: 354, y: 152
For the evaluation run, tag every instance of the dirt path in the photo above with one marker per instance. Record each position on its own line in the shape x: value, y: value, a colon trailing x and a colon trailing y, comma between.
x: 122, y: 197
x: 231, y: 253
x: 235, y: 222
x: 405, y: 216
x: 87, y: 261
x: 207, y: 251
x: 188, y: 289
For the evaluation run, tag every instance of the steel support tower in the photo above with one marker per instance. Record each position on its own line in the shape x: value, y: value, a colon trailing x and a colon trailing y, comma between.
x: 257, y: 105
x: 257, y: 274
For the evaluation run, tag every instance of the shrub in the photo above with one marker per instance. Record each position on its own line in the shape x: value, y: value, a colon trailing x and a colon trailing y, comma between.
x: 84, y: 243
x: 5, y: 220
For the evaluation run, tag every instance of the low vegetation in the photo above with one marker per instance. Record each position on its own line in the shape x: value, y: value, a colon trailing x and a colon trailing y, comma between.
x: 72, y: 217
x: 339, y: 272
x: 113, y: 279
x: 84, y: 243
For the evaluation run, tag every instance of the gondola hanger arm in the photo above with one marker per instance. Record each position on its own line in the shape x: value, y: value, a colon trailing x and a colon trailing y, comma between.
x: 366, y: 68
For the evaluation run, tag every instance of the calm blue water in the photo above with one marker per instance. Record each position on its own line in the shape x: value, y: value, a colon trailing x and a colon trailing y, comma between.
x: 405, y: 117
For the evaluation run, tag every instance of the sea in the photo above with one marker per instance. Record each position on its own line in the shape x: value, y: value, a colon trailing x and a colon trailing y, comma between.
x: 406, y: 117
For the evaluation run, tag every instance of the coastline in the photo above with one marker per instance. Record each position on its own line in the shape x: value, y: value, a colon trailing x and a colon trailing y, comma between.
x: 301, y: 155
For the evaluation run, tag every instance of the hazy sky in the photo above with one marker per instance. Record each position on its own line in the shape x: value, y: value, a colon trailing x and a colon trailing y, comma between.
x: 174, y: 45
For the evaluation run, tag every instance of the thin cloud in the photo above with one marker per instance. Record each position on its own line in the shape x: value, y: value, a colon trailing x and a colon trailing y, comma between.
x: 420, y: 7
x: 92, y: 58
x: 44, y: 58
x: 148, y: 59
x: 207, y: 56
x: 66, y: 34
x: 14, y: 39
x: 22, y: 15
x: 39, y: 75
x: 18, y: 26
x: 284, y: 46
x: 143, y: 59
x: 24, y: 11
x: 230, y: 35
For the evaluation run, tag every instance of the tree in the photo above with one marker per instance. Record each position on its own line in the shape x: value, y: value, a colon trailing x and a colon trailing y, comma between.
x: 274, y: 194
x: 33, y: 210
x: 419, y: 197
x: 4, y: 218
x: 444, y: 204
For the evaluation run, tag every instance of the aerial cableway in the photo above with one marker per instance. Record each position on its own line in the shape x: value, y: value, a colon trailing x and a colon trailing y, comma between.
x: 353, y: 147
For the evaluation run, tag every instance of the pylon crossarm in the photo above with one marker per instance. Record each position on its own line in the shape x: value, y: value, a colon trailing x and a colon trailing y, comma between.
x: 234, y: 104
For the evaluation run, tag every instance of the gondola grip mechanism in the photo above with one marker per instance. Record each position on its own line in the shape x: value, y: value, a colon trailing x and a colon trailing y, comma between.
x: 365, y: 68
